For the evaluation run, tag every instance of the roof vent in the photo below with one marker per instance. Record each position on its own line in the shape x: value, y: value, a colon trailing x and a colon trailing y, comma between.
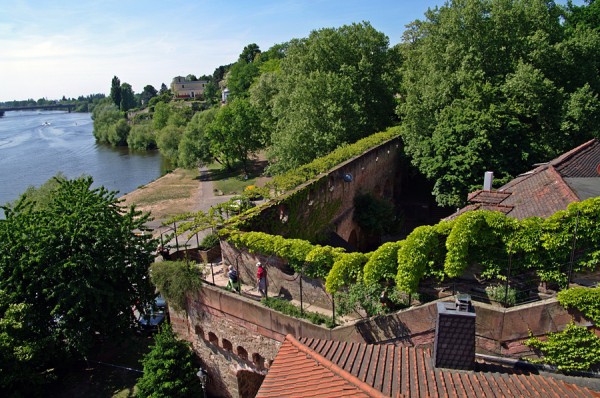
x: 488, y: 177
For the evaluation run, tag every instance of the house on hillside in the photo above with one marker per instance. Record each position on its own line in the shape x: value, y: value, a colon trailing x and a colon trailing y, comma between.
x: 182, y: 88
x: 309, y: 367
x: 572, y: 177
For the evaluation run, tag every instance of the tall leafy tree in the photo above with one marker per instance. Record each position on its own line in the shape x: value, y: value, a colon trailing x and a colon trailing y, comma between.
x: 235, y: 133
x: 77, y: 265
x: 249, y: 53
x: 169, y: 369
x: 127, y: 97
x: 148, y: 93
x: 115, y: 91
x: 335, y: 87
x: 494, y: 85
x: 194, y: 147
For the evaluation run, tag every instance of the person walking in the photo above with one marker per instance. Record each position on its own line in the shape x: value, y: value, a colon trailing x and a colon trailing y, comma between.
x: 261, y: 276
x: 232, y: 283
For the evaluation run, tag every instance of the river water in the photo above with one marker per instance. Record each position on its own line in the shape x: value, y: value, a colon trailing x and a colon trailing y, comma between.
x: 35, y: 145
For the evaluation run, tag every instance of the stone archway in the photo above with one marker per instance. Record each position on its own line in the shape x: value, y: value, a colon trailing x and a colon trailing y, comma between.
x: 248, y: 383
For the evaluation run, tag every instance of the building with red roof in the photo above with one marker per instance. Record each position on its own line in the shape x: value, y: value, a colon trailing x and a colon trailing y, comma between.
x: 572, y: 177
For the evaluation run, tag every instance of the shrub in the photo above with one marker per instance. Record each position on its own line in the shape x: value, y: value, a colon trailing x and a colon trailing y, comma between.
x: 586, y: 300
x: 211, y: 240
x: 176, y: 279
x: 499, y: 294
x: 573, y: 349
x: 287, y: 308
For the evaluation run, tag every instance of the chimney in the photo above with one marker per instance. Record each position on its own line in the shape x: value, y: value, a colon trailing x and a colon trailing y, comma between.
x: 454, y: 345
x: 488, y: 177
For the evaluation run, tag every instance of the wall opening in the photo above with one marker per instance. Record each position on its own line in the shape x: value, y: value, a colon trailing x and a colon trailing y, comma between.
x: 213, y: 338
x: 242, y: 353
x: 227, y: 345
x: 199, y: 332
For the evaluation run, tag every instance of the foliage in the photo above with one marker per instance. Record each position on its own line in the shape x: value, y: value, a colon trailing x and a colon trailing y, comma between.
x: 300, y: 175
x: 66, y: 260
x: 365, y: 297
x: 175, y: 280
x: 235, y: 133
x: 346, y: 270
x: 374, y: 215
x: 26, y: 351
x: 115, y: 91
x: 586, y: 300
x: 494, y: 85
x: 287, y: 308
x: 105, y: 116
x: 209, y: 241
x: 127, y: 97
x: 421, y: 253
x: 382, y: 264
x: 500, y: 294
x: 574, y: 349
x: 194, y: 147
x: 320, y: 260
x: 142, y: 136
x: 335, y: 87
x: 42, y: 195
x: 169, y: 368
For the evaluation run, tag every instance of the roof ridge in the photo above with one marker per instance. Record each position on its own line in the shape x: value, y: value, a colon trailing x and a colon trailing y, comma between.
x: 568, y: 155
x: 361, y: 385
x: 564, y: 186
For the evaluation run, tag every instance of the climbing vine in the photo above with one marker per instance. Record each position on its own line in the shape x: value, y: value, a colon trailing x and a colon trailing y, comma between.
x: 346, y: 270
x: 573, y: 349
x: 420, y: 253
x: 382, y: 264
x: 586, y: 300
x: 320, y: 260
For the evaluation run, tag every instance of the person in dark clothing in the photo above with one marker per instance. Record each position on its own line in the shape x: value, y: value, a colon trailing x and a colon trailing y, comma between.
x: 232, y: 283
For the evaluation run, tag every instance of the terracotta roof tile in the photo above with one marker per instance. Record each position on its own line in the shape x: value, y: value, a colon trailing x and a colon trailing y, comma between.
x: 546, y: 189
x: 310, y: 367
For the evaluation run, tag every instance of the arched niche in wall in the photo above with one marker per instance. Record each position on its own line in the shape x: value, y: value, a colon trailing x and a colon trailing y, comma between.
x: 242, y: 353
x: 258, y: 360
x: 213, y: 339
x: 227, y: 345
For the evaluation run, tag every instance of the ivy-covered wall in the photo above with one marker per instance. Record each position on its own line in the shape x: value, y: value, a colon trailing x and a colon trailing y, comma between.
x: 325, y: 204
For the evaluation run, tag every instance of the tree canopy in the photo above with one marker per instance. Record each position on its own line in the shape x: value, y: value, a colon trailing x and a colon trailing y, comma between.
x: 70, y: 271
x: 335, y: 87
x: 495, y: 85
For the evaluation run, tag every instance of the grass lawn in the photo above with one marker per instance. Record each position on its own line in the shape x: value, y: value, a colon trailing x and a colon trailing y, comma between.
x: 230, y: 182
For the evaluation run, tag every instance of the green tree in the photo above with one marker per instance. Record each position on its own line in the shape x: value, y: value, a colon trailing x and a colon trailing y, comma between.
x: 163, y: 88
x: 240, y: 76
x: 168, y: 140
x: 115, y: 91
x: 161, y: 114
x: 78, y: 264
x: 194, y: 147
x: 148, y: 93
x: 26, y: 351
x: 335, y: 87
x: 127, y: 97
x: 142, y: 136
x: 118, y: 133
x: 249, y: 53
x: 169, y: 369
x: 105, y: 115
x: 235, y: 133
x: 493, y: 85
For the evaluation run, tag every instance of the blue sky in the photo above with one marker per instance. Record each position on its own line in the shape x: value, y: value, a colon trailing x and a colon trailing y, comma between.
x: 55, y: 48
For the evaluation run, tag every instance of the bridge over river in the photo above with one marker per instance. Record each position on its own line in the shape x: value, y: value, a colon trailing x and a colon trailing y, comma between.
x: 68, y: 107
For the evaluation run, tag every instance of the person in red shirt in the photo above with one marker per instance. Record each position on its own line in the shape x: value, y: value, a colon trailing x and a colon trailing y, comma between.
x: 261, y: 276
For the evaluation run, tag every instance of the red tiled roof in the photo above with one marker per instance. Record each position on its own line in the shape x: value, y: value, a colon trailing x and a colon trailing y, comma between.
x: 544, y: 190
x: 298, y: 371
x: 312, y: 367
